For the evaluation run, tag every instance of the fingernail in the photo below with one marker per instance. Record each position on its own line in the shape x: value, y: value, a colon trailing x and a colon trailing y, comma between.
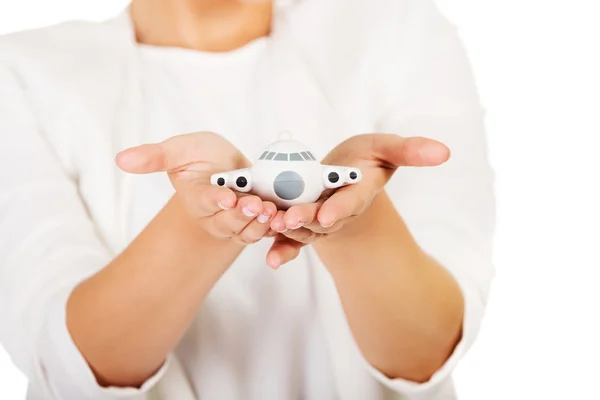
x: 327, y: 224
x: 223, y: 206
x: 248, y: 213
x: 262, y: 218
x: 298, y: 225
x: 284, y: 230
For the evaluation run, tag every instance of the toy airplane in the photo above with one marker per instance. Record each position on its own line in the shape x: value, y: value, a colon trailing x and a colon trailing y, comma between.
x: 287, y: 174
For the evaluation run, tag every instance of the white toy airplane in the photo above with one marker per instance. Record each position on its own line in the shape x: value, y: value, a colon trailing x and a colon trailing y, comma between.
x: 287, y: 174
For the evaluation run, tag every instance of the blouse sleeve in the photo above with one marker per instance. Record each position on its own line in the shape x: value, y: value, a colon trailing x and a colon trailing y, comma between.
x: 48, y: 244
x: 449, y: 209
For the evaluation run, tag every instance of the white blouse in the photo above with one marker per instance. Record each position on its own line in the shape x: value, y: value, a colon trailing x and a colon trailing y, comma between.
x: 73, y: 95
x: 259, y: 332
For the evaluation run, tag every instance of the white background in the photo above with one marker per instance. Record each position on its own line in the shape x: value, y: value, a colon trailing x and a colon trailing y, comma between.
x: 538, y: 67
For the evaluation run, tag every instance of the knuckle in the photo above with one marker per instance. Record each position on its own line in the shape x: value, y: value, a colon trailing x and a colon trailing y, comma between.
x: 232, y: 232
x: 305, y: 236
x: 220, y: 233
x: 312, y: 237
x: 226, y: 230
x: 318, y: 229
x: 247, y: 239
x: 209, y: 226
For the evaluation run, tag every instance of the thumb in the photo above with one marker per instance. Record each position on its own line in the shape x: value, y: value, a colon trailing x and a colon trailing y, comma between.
x: 398, y: 151
x: 169, y: 155
x: 143, y: 159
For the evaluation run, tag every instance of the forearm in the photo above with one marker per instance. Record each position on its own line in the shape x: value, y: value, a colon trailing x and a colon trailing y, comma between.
x: 404, y: 309
x: 127, y: 317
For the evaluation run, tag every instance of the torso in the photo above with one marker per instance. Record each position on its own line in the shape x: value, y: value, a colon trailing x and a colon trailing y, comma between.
x: 256, y: 325
x: 258, y: 331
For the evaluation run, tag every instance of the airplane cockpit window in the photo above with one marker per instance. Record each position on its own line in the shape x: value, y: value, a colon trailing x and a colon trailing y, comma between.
x: 301, y: 156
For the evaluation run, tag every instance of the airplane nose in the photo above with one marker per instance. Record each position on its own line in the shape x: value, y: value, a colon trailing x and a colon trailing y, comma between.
x: 288, y: 185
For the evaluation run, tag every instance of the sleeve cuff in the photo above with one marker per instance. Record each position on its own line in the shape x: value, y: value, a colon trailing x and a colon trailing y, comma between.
x: 66, y: 372
x: 440, y: 385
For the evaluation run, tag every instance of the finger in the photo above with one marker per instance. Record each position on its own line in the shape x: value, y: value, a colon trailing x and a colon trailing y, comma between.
x: 269, y: 212
x: 231, y: 222
x: 347, y: 202
x: 208, y: 200
x: 271, y: 233
x: 283, y: 251
x: 259, y: 226
x: 143, y: 159
x: 278, y: 223
x: 301, y: 215
x: 397, y: 151
x: 302, y: 235
x: 172, y: 154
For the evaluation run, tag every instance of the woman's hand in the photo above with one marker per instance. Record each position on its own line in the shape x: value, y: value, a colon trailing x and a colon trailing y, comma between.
x: 190, y: 160
x: 151, y: 292
x: 378, y: 156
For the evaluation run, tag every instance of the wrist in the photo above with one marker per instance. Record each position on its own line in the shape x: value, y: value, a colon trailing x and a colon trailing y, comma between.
x: 377, y: 231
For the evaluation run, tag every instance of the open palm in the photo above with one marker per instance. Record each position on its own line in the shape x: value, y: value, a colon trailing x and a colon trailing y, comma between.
x: 190, y: 160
